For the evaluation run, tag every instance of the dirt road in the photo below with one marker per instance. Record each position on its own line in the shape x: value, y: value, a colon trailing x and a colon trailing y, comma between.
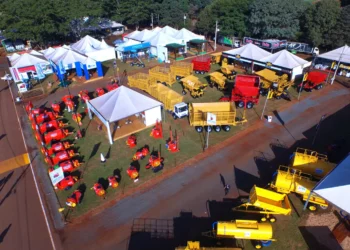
x: 250, y: 158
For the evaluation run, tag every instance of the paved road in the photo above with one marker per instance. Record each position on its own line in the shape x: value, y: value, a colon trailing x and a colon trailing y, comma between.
x: 240, y: 164
x: 22, y: 224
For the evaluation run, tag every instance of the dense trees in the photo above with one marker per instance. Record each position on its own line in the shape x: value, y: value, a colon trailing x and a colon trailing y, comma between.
x: 322, y: 23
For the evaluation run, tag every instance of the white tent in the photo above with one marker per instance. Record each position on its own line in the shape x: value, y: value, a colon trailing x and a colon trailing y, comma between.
x: 335, y: 186
x: 48, y: 51
x: 334, y: 55
x: 186, y: 35
x: 143, y: 35
x: 247, y: 53
x: 86, y: 44
x: 156, y: 29
x: 121, y: 47
x: 122, y: 103
x: 287, y: 60
x: 36, y: 53
x: 27, y: 60
x: 49, y: 54
x: 13, y: 57
x: 160, y: 39
x: 169, y: 31
x: 131, y: 35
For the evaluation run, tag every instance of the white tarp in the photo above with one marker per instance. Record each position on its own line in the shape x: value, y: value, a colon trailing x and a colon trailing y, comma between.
x: 186, y: 35
x: 143, y: 35
x: 169, y: 31
x: 56, y: 176
x: 334, y: 55
x: 335, y: 186
x: 121, y: 103
x: 48, y: 51
x: 285, y: 59
x: 26, y: 60
x: 249, y: 51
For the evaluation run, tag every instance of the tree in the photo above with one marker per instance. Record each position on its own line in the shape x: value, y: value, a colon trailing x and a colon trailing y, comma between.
x: 172, y: 12
x: 136, y: 12
x: 230, y: 14
x: 276, y: 18
x: 320, y: 19
x: 341, y: 33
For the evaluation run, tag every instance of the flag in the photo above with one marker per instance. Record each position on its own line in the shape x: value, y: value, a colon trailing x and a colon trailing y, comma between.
x: 39, y: 71
x: 305, y: 76
x: 53, y: 66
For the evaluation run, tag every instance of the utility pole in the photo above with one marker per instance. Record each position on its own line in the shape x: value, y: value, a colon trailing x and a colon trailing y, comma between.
x: 152, y: 20
x: 263, y: 111
x: 158, y: 19
x: 336, y: 70
x: 216, y: 34
x: 185, y: 19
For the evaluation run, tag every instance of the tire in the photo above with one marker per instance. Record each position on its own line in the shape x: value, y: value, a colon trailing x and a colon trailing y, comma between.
x: 257, y: 244
x: 263, y: 219
x: 278, y: 97
x: 272, y: 219
x: 321, y: 86
x: 132, y: 64
x: 197, y: 72
x: 262, y: 92
x: 208, y: 129
x: 174, y: 116
x: 217, y: 129
x: 226, y: 128
x: 184, y: 92
x: 202, y: 72
x: 164, y: 83
x: 250, y: 105
x: 199, y: 129
x: 178, y: 78
x: 323, y: 207
x: 142, y: 65
x: 312, y: 207
x: 240, y: 104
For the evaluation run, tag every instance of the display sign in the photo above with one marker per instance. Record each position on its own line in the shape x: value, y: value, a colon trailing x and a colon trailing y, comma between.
x: 268, y: 64
x: 137, y: 47
x: 22, y: 87
x: 211, y: 119
x: 39, y: 71
x: 301, y: 189
x: 267, y: 44
x: 56, y: 176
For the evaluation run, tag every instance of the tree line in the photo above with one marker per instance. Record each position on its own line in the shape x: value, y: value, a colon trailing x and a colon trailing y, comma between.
x: 324, y: 23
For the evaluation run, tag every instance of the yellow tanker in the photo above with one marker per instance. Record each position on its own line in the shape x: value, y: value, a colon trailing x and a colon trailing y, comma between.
x: 195, y: 245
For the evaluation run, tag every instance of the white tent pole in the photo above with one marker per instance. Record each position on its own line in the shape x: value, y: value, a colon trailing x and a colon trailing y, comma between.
x: 89, y: 110
x: 109, y: 133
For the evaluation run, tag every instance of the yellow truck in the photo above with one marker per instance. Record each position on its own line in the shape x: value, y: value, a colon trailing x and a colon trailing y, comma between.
x: 311, y: 162
x: 140, y: 81
x: 166, y: 95
x: 215, y: 58
x: 218, y: 79
x: 266, y: 202
x: 193, y: 85
x: 288, y: 180
x: 214, y: 116
x: 228, y: 70
x: 162, y: 75
x: 181, y: 69
x: 195, y: 245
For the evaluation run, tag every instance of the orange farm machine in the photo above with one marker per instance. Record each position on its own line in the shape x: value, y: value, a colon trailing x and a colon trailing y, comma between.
x: 313, y: 80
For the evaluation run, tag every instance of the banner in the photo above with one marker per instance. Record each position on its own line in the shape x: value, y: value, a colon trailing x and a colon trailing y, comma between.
x: 53, y: 66
x: 211, y: 119
x: 56, y: 176
x: 267, y: 44
x: 39, y: 71
x: 61, y: 67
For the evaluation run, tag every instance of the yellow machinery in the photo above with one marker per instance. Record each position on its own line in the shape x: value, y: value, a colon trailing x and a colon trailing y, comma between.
x: 140, y: 81
x: 166, y: 95
x: 217, y: 78
x: 266, y: 202
x: 227, y: 69
x: 311, y: 162
x: 162, y: 75
x: 216, y: 58
x: 195, y: 245
x: 288, y: 180
x: 181, y: 69
x: 193, y: 85
x: 200, y: 115
x: 278, y: 85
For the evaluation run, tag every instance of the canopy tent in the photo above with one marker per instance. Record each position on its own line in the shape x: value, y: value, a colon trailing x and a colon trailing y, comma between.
x: 131, y: 35
x: 185, y: 36
x: 169, y: 31
x: 120, y: 48
x: 13, y: 57
x: 121, y: 103
x: 36, y: 53
x: 26, y: 60
x: 160, y: 39
x: 247, y: 53
x: 335, y: 186
x: 144, y: 35
x: 342, y: 53
x: 48, y: 51
x: 86, y: 45
x: 156, y: 29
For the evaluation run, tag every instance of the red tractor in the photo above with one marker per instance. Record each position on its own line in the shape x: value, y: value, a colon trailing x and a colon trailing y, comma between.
x: 141, y: 153
x: 172, y: 143
x: 37, y: 111
x: 313, y: 80
x: 66, y: 183
x: 133, y: 173
x: 100, y: 92
x: 56, y: 107
x: 45, y: 117
x: 113, y: 182
x: 245, y: 92
x: 201, y: 64
x: 60, y: 157
x: 54, y: 148
x: 51, y: 125
x: 99, y: 190
x: 69, y: 166
x: 112, y: 86
x: 68, y: 101
x: 157, y: 130
x: 29, y: 106
x: 155, y: 162
x: 131, y: 141
x: 56, y: 135
x: 74, y: 199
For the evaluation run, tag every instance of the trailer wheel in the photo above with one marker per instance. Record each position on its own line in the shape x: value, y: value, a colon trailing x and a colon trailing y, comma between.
x: 226, y: 128
x: 312, y: 207
x: 142, y: 65
x: 272, y: 219
x: 323, y: 207
x: 263, y: 219
x: 217, y: 129
x: 164, y: 83
x: 208, y: 129
x: 240, y: 104
x: 250, y: 105
x: 132, y: 64
x: 202, y: 72
x: 257, y: 244
x: 321, y: 86
x: 184, y: 92
x: 278, y: 97
x: 199, y: 129
x: 174, y: 116
x: 197, y: 72
x: 263, y: 92
x: 266, y: 243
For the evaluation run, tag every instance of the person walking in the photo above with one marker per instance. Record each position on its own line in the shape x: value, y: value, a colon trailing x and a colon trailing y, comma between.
x: 227, y: 188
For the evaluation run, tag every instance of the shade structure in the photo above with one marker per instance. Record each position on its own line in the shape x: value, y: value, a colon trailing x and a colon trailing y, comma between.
x: 285, y: 59
x: 162, y: 39
x: 144, y: 35
x: 26, y: 60
x: 185, y: 35
x: 249, y: 52
x: 13, y: 57
x: 36, y: 53
x: 335, y: 186
x: 169, y: 31
x: 132, y: 34
x: 120, y: 103
x: 48, y: 51
x: 342, y: 53
x: 156, y: 29
x: 86, y: 44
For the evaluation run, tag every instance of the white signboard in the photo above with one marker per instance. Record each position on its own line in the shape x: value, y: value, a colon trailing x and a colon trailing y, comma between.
x: 301, y: 189
x: 22, y: 87
x: 56, y: 176
x: 211, y: 119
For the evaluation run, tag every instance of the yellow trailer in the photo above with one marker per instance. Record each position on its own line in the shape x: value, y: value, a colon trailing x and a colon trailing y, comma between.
x: 195, y: 245
x: 193, y: 85
x: 290, y: 180
x: 140, y: 81
x: 263, y: 201
x: 162, y: 75
x: 218, y: 79
x: 181, y: 69
x: 166, y: 95
x: 311, y: 162
x: 227, y: 69
x: 214, y: 115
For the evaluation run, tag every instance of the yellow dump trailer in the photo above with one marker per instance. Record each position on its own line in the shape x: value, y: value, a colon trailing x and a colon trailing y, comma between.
x: 213, y: 115
x: 195, y: 245
x: 181, y: 69
x: 216, y: 57
x: 140, y: 81
x: 218, y: 79
x: 227, y: 69
x: 288, y: 180
x: 311, y: 162
x: 193, y: 85
x: 266, y: 202
x: 162, y: 75
x: 166, y: 95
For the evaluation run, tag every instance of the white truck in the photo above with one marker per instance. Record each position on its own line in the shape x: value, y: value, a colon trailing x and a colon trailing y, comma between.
x: 180, y: 110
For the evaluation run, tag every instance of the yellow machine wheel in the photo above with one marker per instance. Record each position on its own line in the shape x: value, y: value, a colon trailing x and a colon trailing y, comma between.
x: 258, y: 246
x: 312, y: 208
x: 272, y: 219
x: 324, y: 207
x: 263, y: 219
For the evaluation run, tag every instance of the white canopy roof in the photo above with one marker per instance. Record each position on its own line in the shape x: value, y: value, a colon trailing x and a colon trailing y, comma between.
x: 162, y: 39
x: 86, y: 44
x: 334, y: 55
x: 285, y: 59
x: 55, y: 53
x: 70, y: 57
x: 169, y: 31
x: 48, y: 51
x: 132, y: 34
x: 143, y: 35
x: 104, y: 45
x: 26, y: 60
x: 13, y: 57
x: 126, y: 44
x: 249, y: 51
x: 156, y: 29
x: 36, y: 53
x: 121, y: 103
x: 185, y: 34
x: 335, y: 186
